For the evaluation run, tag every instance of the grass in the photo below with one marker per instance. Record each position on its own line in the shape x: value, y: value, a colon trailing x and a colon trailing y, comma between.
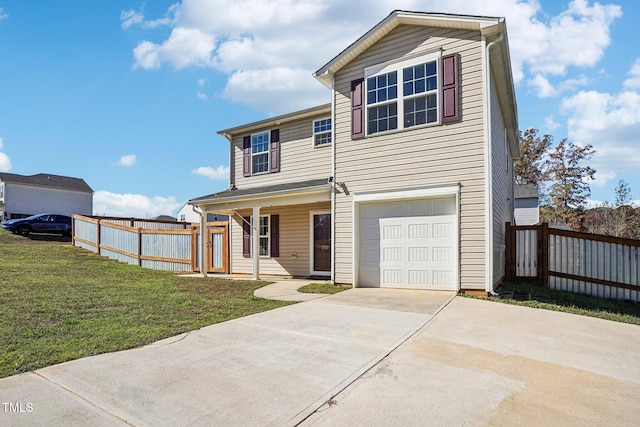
x: 59, y: 302
x: 323, y: 288
x: 537, y: 296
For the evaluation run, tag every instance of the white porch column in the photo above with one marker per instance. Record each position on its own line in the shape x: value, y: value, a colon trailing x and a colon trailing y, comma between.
x: 255, y: 228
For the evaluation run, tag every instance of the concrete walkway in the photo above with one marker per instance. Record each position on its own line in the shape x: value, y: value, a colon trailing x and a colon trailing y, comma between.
x: 287, y: 290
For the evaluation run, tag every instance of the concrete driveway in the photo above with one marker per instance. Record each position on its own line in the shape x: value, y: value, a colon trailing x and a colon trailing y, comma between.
x: 379, y: 357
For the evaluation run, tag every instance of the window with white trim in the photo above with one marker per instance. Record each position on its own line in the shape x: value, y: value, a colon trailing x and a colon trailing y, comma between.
x: 260, y: 153
x: 264, y: 238
x: 322, y: 132
x: 413, y: 101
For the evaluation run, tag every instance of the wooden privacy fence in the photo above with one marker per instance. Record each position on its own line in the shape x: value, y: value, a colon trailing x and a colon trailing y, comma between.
x: 157, y: 245
x: 603, y: 266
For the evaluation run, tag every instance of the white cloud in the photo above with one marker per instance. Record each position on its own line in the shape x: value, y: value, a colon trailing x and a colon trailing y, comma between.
x: 132, y: 205
x: 266, y: 88
x: 3, y: 15
x: 542, y: 87
x: 601, y: 179
x: 5, y: 161
x: 633, y: 82
x: 129, y: 18
x: 550, y: 124
x: 255, y: 42
x: 201, y: 84
x: 185, y: 47
x: 221, y: 173
x: 611, y: 123
x: 128, y: 160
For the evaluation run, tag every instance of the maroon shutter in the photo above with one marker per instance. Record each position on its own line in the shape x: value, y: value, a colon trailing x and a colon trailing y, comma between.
x: 246, y: 237
x: 451, y: 88
x: 274, y: 151
x: 275, y: 235
x: 246, y: 156
x: 357, y: 109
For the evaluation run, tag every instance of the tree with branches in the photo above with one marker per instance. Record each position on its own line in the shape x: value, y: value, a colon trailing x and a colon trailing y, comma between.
x: 531, y: 167
x: 569, y: 178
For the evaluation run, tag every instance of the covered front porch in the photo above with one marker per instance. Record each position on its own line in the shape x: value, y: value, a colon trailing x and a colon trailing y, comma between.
x: 289, y: 226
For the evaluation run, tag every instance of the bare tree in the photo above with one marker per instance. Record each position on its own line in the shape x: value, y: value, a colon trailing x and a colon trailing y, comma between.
x: 623, y: 193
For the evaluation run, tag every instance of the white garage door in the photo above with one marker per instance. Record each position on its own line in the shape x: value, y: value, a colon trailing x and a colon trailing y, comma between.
x: 401, y: 250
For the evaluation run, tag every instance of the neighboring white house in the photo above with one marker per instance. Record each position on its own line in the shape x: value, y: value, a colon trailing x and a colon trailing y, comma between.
x: 525, y: 207
x: 24, y: 195
x: 188, y: 214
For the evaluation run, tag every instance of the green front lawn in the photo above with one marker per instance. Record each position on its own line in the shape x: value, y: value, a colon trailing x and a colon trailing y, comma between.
x: 323, y: 288
x: 59, y: 303
x: 532, y: 294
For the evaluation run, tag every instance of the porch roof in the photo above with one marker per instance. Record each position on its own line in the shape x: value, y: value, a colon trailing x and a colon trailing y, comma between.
x: 314, y: 190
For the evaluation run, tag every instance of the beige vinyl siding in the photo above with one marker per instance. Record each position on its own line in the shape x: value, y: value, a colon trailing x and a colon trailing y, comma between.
x: 299, y: 159
x: 447, y: 154
x: 502, y: 183
x: 294, y: 238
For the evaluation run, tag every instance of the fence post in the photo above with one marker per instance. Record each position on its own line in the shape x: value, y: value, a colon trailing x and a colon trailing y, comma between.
x: 140, y: 246
x: 510, y: 242
x: 98, y: 237
x: 543, y: 253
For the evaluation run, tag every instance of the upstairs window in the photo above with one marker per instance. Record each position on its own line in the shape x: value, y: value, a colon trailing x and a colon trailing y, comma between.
x: 416, y: 103
x: 400, y: 95
x: 382, y: 108
x: 260, y: 153
x: 419, y: 89
x: 321, y: 132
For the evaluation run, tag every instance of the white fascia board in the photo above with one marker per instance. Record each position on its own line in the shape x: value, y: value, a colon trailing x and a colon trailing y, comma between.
x: 407, y: 194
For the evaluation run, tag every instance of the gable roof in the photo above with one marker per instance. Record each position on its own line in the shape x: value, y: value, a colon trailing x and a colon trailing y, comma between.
x: 47, y: 181
x: 525, y: 191
x: 493, y: 29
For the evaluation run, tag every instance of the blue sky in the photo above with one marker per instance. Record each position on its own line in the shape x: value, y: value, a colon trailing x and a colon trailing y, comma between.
x: 129, y: 95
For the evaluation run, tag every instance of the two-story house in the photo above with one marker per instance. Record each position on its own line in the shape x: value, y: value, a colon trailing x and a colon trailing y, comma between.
x: 25, y: 195
x: 404, y: 180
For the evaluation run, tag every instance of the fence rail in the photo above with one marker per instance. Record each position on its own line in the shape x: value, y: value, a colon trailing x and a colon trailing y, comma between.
x: 603, y: 266
x: 152, y: 244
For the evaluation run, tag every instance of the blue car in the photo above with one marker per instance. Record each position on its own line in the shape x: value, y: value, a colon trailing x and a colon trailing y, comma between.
x: 40, y: 223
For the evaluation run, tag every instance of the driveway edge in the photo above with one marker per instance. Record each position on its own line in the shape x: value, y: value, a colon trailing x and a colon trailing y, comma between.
x: 311, y: 409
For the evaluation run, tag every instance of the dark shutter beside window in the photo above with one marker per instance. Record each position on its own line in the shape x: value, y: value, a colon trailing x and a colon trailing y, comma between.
x: 246, y: 237
x: 451, y: 88
x: 274, y: 151
x: 275, y: 236
x: 246, y: 156
x: 357, y: 109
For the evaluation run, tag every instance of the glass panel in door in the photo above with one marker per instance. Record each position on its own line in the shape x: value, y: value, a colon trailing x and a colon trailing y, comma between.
x: 322, y: 243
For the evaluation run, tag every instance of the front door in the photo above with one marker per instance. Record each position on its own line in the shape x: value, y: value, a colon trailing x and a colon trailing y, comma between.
x: 321, y: 243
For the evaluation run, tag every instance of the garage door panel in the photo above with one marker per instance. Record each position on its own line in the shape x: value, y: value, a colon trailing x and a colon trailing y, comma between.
x: 419, y: 278
x: 417, y: 252
x: 443, y: 279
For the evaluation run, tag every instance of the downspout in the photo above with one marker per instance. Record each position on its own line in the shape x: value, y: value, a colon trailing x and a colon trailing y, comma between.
x: 333, y: 180
x: 203, y: 239
x: 489, y: 170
